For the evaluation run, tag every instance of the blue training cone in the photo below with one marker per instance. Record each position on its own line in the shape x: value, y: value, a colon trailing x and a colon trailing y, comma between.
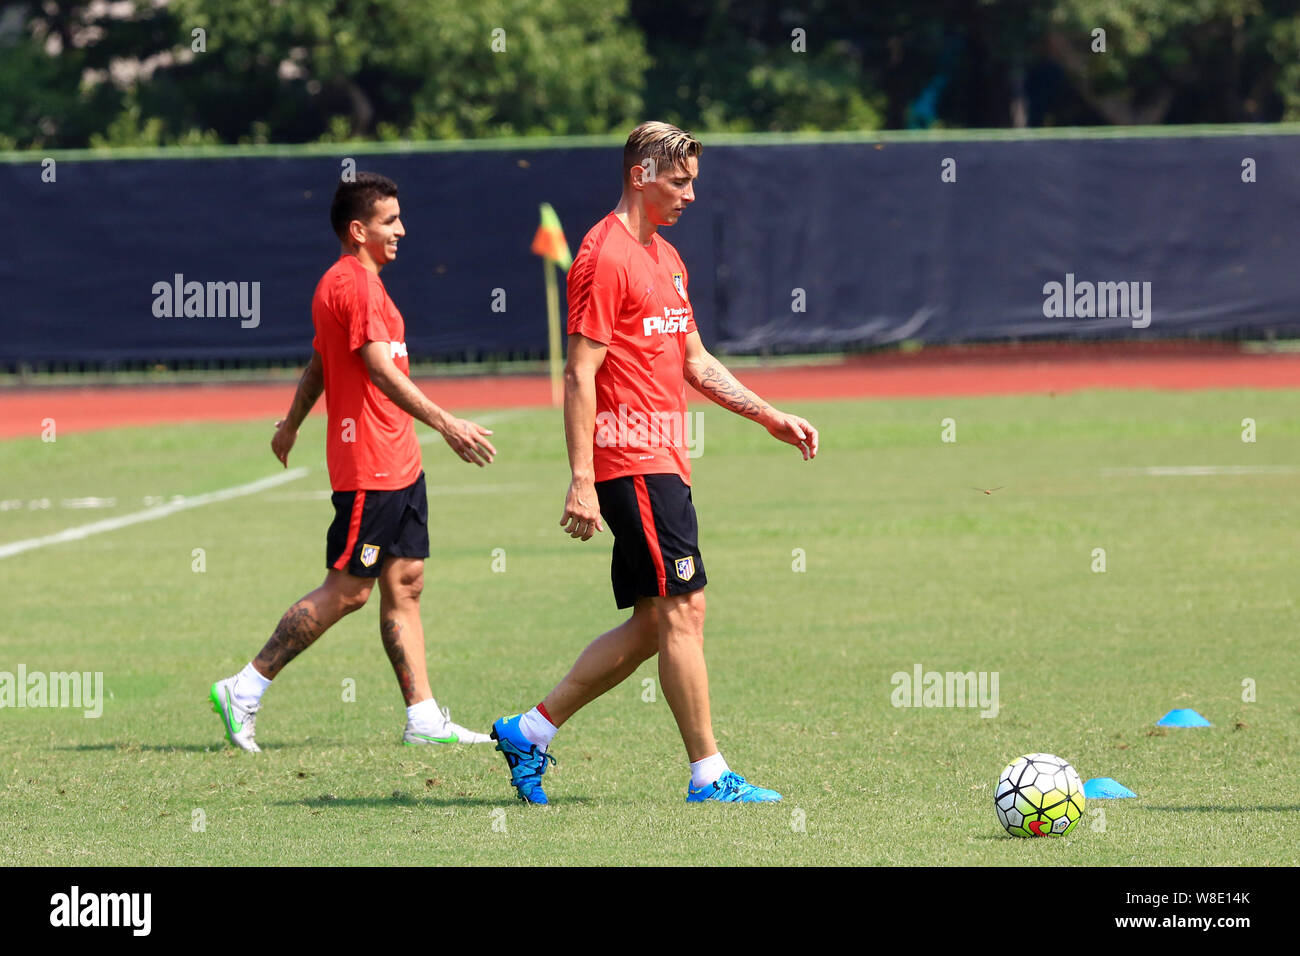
x: 1104, y: 788
x: 1183, y: 718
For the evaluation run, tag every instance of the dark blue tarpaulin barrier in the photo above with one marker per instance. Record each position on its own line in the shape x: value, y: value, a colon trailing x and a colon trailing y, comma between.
x: 791, y: 247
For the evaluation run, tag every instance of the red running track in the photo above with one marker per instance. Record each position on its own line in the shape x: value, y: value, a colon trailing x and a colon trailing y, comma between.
x: 988, y: 370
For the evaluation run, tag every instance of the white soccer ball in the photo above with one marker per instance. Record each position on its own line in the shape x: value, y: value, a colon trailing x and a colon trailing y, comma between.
x: 1039, y: 795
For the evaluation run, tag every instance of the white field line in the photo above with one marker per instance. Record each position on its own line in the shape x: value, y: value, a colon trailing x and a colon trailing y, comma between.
x: 195, y: 501
x: 1166, y: 471
x: 45, y: 504
x: 150, y: 514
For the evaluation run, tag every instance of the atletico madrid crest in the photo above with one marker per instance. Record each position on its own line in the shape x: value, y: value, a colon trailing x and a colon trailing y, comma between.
x: 369, y: 554
x: 679, y: 284
x: 685, y: 568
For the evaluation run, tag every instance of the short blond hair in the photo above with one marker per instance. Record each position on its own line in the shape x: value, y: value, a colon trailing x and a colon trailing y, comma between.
x: 664, y: 143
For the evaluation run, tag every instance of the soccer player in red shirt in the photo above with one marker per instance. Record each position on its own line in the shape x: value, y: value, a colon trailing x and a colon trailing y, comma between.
x: 633, y: 348
x: 380, y: 528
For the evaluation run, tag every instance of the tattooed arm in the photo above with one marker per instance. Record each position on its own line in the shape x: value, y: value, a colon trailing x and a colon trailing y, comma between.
x: 712, y: 379
x: 309, y: 390
x: 467, y: 439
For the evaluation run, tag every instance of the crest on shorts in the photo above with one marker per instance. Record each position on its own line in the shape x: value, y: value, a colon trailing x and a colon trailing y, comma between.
x: 369, y: 554
x: 679, y: 284
x: 685, y: 568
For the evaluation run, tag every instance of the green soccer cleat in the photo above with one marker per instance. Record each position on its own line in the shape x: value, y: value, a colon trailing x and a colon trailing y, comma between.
x: 237, y: 721
x: 443, y: 733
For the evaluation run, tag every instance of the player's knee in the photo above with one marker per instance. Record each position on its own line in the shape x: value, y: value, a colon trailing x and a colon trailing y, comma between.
x: 648, y: 645
x: 646, y: 611
x: 354, y: 598
x: 409, y: 583
x: 682, y: 617
x: 402, y: 581
x: 347, y: 592
x: 645, y: 619
x: 411, y: 587
x: 691, y: 612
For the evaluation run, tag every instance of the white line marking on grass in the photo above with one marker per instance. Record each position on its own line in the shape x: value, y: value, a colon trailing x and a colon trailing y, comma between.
x: 150, y: 514
x: 1166, y: 471
x: 44, y: 504
x: 181, y: 503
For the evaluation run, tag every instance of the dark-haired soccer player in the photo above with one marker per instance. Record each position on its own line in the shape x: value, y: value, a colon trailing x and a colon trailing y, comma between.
x: 380, y: 528
x: 633, y: 348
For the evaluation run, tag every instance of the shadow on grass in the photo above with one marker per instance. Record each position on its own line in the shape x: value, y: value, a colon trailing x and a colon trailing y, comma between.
x: 1218, y: 808
x: 407, y: 800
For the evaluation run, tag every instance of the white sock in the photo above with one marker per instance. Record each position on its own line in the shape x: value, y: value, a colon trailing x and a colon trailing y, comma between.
x: 425, y: 713
x: 537, y: 729
x: 249, y: 687
x: 708, y: 770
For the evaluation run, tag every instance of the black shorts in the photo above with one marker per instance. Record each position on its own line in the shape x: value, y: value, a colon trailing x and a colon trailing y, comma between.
x: 656, y: 551
x: 369, y: 526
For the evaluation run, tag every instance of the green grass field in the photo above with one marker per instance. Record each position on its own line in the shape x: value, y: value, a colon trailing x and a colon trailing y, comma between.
x: 906, y: 563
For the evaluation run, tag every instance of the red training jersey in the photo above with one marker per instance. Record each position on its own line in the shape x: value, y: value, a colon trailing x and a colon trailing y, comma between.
x: 633, y: 298
x: 371, y: 443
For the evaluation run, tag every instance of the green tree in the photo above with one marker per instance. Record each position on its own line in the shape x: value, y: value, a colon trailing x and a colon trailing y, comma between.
x: 411, y: 68
x: 55, y: 68
x: 191, y: 71
x: 257, y: 71
x: 728, y: 64
x: 1192, y: 61
x: 758, y: 65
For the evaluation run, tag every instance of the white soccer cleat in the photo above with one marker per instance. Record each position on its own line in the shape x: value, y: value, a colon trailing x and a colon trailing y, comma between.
x: 237, y: 721
x: 443, y: 733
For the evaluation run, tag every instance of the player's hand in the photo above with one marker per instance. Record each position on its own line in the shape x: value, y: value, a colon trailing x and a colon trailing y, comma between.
x: 282, y: 441
x: 581, y: 510
x: 469, y: 441
x: 796, y: 431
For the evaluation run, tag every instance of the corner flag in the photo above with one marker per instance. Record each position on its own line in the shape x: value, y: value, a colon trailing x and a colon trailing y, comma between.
x: 549, y: 243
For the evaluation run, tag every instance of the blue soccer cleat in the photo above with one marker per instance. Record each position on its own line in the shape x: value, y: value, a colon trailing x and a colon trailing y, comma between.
x: 731, y: 787
x: 527, y: 763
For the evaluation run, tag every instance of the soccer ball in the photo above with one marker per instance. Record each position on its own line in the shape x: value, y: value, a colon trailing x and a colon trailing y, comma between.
x: 1039, y: 795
